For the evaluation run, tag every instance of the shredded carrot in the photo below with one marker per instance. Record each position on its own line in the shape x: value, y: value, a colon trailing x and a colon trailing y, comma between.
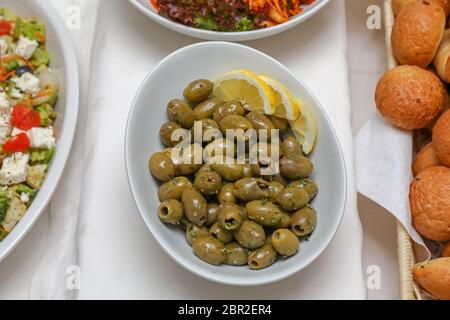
x: 278, y: 11
x: 7, y: 75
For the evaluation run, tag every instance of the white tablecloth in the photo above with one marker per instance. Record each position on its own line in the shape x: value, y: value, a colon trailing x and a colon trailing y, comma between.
x: 117, y: 256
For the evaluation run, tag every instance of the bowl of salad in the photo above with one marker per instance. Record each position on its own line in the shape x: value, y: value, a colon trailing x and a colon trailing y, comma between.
x: 229, y: 20
x: 38, y: 112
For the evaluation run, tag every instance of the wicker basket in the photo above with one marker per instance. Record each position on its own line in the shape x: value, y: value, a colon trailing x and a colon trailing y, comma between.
x: 405, y: 247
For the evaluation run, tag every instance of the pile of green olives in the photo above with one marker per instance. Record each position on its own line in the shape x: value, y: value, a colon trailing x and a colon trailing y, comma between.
x: 232, y: 214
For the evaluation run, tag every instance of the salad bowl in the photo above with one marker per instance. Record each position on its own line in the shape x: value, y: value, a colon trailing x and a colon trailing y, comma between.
x: 146, y: 8
x: 63, y: 63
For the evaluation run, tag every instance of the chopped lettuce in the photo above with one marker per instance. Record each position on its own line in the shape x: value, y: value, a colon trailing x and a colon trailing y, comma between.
x: 33, y: 30
x: 245, y: 24
x: 47, y: 114
x: 48, y: 96
x: 207, y: 23
x: 40, y: 57
x: 4, y: 204
x: 41, y: 156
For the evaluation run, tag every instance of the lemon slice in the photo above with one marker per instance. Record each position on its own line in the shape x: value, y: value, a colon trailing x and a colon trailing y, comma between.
x: 247, y: 87
x: 286, y: 105
x: 305, y: 128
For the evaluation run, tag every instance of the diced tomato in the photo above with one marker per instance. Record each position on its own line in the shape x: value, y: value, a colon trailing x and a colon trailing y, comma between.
x: 5, y: 28
x: 24, y: 117
x: 19, y: 143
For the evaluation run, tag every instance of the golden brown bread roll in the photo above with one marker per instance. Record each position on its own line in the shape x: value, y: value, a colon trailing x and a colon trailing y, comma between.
x: 442, y: 59
x: 398, y: 5
x: 417, y: 32
x: 441, y: 138
x: 446, y: 251
x: 409, y: 97
x: 425, y: 159
x: 434, y: 277
x: 429, y: 199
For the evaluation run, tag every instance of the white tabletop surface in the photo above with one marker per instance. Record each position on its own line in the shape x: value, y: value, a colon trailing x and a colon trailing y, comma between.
x: 366, y: 63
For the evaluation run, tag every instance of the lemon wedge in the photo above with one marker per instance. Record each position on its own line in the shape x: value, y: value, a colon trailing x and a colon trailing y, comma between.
x: 305, y: 128
x: 286, y: 105
x: 247, y: 87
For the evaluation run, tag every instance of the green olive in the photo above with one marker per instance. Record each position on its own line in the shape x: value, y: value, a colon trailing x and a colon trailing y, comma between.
x: 234, y: 122
x: 204, y: 168
x: 230, y: 216
x: 304, y: 221
x: 280, y: 124
x: 309, y: 185
x: 295, y: 167
x: 161, y: 167
x: 285, y: 242
x: 213, y: 212
x: 290, y: 146
x: 206, y: 109
x: 171, y: 212
x: 228, y: 108
x: 263, y: 150
x: 201, y: 127
x: 195, y: 206
x: 220, y: 234
x: 285, y: 221
x: 274, y: 190
x: 248, y: 189
x: 226, y: 194
x: 262, y: 258
x: 193, y: 232
x: 198, y: 90
x: 292, y: 199
x: 219, y: 148
x: 264, y: 212
x: 209, y: 250
x: 208, y: 182
x: 260, y: 121
x: 251, y: 235
x: 180, y: 111
x: 166, y: 131
x: 248, y: 171
x: 236, y: 255
x: 266, y: 169
x: 192, y: 159
x: 276, y: 178
x: 229, y: 170
x: 174, y: 188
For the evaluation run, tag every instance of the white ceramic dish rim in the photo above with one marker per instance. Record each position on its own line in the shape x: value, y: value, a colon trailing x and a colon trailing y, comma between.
x: 171, y: 252
x: 51, y: 18
x: 229, y: 36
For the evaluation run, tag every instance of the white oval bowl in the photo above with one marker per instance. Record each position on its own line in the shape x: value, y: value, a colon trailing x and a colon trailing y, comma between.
x: 64, y: 61
x: 146, y: 8
x: 148, y: 113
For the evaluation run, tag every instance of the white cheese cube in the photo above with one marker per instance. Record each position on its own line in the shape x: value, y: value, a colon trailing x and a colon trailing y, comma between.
x: 42, y: 138
x: 28, y: 83
x: 4, y: 102
x: 25, y: 197
x: 5, y: 126
x: 16, y: 94
x: 4, y: 46
x: 26, y: 47
x: 14, y: 169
